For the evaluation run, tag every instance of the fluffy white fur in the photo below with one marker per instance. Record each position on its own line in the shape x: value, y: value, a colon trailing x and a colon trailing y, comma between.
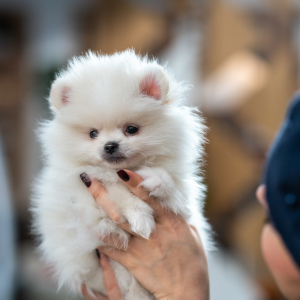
x: 108, y: 93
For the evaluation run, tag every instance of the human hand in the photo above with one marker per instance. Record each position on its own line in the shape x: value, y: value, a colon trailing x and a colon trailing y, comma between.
x: 171, y: 264
x: 277, y: 256
x: 111, y: 285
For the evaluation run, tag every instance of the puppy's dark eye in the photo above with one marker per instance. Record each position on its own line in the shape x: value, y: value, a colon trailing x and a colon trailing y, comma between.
x: 94, y: 133
x: 132, y: 129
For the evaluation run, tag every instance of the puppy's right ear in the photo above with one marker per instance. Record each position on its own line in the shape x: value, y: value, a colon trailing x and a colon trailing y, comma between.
x: 155, y: 83
x: 60, y: 94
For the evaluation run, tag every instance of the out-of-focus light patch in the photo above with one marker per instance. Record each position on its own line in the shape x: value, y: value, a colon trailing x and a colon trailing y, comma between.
x: 183, y: 56
x: 250, y: 4
x: 51, y: 27
x: 296, y: 41
x: 229, y: 280
x: 241, y: 76
x: 7, y: 236
x: 259, y: 5
x: 157, y: 5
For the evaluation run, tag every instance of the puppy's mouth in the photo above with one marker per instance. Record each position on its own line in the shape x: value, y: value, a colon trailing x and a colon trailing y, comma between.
x: 115, y: 159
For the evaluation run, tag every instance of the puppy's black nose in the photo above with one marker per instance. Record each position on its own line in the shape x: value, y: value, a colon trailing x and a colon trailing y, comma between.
x: 111, y: 147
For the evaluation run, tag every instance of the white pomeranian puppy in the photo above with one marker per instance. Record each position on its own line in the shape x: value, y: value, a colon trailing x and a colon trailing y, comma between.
x: 110, y: 113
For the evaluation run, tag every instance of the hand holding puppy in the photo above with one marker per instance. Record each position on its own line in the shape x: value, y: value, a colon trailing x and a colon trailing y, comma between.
x: 171, y: 264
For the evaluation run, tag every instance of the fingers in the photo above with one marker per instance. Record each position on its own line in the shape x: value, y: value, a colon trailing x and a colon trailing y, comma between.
x: 94, y: 186
x: 113, y: 253
x: 100, y: 194
x: 88, y: 296
x: 110, y: 281
x: 126, y: 227
x: 113, y: 240
x: 133, y: 181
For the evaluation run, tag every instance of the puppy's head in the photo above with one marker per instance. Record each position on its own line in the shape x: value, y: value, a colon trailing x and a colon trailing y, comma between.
x: 113, y: 110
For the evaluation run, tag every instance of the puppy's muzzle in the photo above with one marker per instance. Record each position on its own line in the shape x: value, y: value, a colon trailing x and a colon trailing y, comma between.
x: 111, y: 147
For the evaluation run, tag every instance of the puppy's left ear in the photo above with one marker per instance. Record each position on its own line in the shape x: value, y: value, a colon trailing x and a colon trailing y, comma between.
x: 155, y: 84
x: 60, y: 94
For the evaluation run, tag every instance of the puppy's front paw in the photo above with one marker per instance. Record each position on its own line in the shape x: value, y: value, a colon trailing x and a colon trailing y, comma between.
x: 157, y: 182
x: 140, y: 218
x: 107, y: 227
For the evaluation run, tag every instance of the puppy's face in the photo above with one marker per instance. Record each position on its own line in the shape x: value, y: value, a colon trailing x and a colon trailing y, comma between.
x: 123, y: 146
x: 116, y: 121
x: 117, y: 149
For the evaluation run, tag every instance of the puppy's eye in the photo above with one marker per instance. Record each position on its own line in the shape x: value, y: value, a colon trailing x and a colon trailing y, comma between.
x: 94, y: 133
x: 131, y: 129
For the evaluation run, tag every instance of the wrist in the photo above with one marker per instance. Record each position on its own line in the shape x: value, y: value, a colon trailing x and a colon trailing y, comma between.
x: 196, y: 294
x: 196, y: 287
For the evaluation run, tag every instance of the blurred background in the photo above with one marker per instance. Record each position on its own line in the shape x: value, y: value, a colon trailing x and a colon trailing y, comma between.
x: 242, y: 57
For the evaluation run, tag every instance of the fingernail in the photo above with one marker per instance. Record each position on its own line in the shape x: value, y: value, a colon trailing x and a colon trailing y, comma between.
x: 98, y: 253
x: 123, y: 175
x: 86, y: 179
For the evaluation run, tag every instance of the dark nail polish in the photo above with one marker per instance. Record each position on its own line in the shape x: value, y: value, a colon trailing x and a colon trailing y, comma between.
x: 123, y: 175
x: 86, y: 179
x: 98, y: 253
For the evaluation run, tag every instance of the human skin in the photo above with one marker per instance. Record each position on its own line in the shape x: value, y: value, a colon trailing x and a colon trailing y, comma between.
x: 279, y: 260
x: 171, y: 264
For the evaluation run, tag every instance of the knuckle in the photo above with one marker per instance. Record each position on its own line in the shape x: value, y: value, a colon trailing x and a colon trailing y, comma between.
x: 115, y: 216
x: 142, y: 192
x: 131, y: 265
x: 96, y: 194
x: 98, y: 191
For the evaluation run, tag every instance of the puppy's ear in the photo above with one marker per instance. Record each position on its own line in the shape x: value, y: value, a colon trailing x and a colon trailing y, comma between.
x: 154, y: 84
x: 60, y: 94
